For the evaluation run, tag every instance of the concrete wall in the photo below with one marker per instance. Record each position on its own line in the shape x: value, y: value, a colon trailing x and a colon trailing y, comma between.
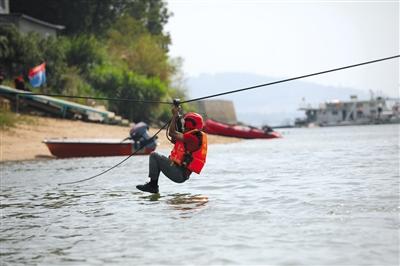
x: 219, y: 110
x: 27, y: 26
x: 4, y: 7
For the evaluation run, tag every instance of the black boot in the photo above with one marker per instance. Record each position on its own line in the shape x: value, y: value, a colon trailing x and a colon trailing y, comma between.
x: 151, y: 187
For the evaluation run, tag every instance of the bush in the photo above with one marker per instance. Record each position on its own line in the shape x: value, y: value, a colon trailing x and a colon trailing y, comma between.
x: 73, y: 84
x: 84, y: 52
x: 21, y: 52
x: 121, y: 83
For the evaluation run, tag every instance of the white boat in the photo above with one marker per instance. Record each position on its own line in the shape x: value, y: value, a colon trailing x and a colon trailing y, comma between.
x: 377, y: 110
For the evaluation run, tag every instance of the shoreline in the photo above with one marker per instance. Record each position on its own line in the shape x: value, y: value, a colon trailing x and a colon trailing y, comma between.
x: 24, y: 141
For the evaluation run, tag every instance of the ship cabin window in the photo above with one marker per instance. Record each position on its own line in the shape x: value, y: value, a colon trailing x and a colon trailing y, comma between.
x: 359, y: 105
x: 334, y: 112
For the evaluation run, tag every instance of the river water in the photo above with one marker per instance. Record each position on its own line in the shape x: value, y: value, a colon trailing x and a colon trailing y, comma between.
x: 323, y: 196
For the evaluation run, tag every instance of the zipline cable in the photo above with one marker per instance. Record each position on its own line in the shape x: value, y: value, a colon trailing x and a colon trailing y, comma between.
x: 209, y: 96
x: 198, y: 99
x: 89, y: 97
x: 290, y: 79
x: 105, y: 171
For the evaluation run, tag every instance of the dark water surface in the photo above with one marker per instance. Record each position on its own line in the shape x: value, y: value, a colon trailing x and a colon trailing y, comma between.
x: 324, y: 196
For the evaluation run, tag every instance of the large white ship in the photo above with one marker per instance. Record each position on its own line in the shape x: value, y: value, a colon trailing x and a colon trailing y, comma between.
x: 377, y: 110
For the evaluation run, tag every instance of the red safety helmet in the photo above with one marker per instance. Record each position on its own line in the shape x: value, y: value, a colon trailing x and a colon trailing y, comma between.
x: 193, y: 121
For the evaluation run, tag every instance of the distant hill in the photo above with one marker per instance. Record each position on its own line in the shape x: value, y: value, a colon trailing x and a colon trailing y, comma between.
x: 273, y: 105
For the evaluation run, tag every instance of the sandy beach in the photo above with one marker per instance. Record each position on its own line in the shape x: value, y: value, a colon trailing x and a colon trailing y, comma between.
x: 24, y: 142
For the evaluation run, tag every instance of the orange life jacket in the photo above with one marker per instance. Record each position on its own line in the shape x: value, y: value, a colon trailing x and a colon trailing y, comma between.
x: 195, y: 160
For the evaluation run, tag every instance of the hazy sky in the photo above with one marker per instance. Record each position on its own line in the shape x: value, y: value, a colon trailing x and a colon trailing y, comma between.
x: 289, y: 38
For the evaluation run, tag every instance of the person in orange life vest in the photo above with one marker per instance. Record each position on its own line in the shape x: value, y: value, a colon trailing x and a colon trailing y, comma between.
x: 187, y: 156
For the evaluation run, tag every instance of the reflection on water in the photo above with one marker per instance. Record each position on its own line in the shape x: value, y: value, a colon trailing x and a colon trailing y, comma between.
x: 186, y: 203
x: 150, y: 197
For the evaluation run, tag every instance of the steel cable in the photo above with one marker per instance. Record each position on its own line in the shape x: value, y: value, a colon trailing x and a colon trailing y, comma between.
x: 201, y: 98
x: 88, y: 97
x: 290, y: 79
x: 109, y: 169
x: 213, y: 95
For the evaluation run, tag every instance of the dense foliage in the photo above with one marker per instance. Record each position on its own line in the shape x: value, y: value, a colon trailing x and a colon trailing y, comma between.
x: 112, y: 48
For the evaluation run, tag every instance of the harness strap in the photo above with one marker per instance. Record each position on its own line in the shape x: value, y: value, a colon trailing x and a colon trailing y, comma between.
x: 188, y: 157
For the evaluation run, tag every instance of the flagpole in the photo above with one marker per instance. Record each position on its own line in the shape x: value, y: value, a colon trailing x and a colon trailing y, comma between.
x: 17, y: 104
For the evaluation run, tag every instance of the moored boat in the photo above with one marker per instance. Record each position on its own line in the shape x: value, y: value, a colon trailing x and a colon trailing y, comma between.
x: 238, y: 131
x: 67, y: 148
x: 138, y: 137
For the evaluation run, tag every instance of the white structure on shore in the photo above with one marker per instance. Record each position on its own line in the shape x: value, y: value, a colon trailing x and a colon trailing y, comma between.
x: 354, y: 112
x: 25, y: 23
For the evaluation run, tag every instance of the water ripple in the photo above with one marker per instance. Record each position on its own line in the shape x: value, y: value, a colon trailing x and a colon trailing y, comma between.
x: 325, y: 196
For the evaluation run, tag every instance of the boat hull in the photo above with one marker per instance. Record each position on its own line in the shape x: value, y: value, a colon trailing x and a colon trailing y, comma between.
x: 65, y: 148
x: 238, y: 131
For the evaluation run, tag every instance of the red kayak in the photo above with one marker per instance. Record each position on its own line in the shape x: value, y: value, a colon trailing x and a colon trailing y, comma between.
x: 238, y: 131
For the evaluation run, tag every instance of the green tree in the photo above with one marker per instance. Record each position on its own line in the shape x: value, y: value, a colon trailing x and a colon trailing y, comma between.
x: 14, y: 53
x: 78, y: 16
x: 143, y: 53
x: 21, y: 52
x: 53, y: 53
x: 96, y: 16
x: 154, y: 15
x: 84, y: 52
x: 114, y: 48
